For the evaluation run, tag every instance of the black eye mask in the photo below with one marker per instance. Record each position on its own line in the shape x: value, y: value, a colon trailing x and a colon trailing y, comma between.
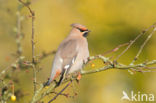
x: 85, y: 32
x: 81, y: 30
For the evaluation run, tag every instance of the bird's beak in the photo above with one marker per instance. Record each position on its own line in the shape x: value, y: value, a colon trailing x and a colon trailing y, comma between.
x: 89, y: 31
x: 86, y: 33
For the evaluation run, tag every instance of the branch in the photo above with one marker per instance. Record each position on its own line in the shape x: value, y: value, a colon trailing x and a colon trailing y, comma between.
x: 133, y: 41
x: 111, y: 65
x: 64, y: 94
x: 28, y: 7
x: 143, y: 45
x: 19, y: 34
x: 32, y: 42
x: 8, y: 67
x: 115, y: 49
x: 44, y: 54
x: 18, y: 39
x: 59, y: 93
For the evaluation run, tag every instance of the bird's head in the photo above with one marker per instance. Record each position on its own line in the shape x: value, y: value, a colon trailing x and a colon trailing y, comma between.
x: 80, y: 29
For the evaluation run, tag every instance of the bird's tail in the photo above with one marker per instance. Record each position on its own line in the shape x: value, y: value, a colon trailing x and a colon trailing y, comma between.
x: 64, y: 72
x: 47, y: 83
x: 49, y: 80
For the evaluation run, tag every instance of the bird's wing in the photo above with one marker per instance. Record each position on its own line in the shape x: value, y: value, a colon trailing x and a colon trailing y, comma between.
x: 64, y: 58
x: 68, y: 53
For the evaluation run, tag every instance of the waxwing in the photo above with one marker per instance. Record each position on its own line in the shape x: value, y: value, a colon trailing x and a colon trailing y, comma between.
x: 72, y: 53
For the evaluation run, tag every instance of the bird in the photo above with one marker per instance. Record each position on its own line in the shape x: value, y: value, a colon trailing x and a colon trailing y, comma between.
x: 71, y: 54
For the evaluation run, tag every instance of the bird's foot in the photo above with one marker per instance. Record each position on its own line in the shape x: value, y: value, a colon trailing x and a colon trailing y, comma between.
x: 78, y: 77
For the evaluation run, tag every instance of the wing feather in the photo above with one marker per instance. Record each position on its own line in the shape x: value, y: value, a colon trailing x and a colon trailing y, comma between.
x: 65, y: 57
x: 68, y: 52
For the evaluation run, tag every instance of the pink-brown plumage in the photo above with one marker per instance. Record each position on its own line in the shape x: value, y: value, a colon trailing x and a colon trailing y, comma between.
x: 71, y: 53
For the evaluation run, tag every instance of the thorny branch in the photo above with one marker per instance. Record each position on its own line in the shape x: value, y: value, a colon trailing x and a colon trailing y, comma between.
x: 44, y: 54
x: 143, y: 45
x: 19, y: 34
x: 64, y: 94
x: 32, y: 42
x: 59, y: 93
x: 38, y: 97
x: 115, y: 49
x: 133, y: 41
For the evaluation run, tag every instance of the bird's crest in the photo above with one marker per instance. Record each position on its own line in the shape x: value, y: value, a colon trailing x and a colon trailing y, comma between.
x: 79, y: 26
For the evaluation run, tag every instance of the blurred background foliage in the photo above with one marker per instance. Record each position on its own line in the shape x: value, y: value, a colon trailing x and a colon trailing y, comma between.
x: 112, y: 22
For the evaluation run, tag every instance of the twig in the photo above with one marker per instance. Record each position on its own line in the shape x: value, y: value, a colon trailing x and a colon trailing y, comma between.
x: 38, y: 97
x: 32, y: 36
x: 149, y: 67
x: 34, y: 78
x: 59, y: 93
x: 18, y: 41
x: 63, y: 94
x: 4, y: 70
x: 118, y: 66
x: 32, y: 42
x: 115, y: 49
x: 44, y: 55
x: 18, y: 34
x: 133, y: 41
x: 27, y: 6
x: 142, y: 46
